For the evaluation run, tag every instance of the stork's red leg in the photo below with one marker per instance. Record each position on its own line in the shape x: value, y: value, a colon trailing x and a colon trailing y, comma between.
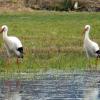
x: 18, y: 82
x: 96, y: 63
x: 89, y: 64
x: 17, y: 61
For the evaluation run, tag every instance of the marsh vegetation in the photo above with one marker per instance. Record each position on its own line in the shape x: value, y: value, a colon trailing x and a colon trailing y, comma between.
x: 51, y: 40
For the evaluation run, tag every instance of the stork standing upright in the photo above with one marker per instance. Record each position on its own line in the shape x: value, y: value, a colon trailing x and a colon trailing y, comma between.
x: 91, y: 47
x: 12, y: 44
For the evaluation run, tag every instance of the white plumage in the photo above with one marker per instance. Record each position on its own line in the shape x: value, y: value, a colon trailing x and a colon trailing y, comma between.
x: 91, y: 47
x: 13, y: 44
x: 76, y: 5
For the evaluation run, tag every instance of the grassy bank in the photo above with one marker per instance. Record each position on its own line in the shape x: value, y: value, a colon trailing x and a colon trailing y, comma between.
x: 50, y: 39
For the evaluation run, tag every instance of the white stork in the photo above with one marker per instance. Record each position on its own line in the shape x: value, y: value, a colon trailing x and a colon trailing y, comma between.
x: 76, y: 5
x: 12, y: 44
x: 91, y: 47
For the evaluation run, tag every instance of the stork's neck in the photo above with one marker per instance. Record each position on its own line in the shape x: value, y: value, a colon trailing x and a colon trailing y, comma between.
x: 87, y: 35
x: 5, y: 36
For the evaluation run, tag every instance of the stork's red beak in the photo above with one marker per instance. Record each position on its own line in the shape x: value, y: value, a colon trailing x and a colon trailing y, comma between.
x: 1, y: 30
x: 85, y: 30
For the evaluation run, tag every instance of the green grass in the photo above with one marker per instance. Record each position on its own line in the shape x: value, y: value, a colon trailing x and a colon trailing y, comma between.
x: 52, y: 40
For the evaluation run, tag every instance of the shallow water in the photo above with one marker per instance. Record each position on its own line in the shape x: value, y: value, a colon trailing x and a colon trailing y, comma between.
x: 54, y: 86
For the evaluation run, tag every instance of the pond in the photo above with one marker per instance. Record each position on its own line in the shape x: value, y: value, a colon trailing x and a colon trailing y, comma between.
x: 53, y: 86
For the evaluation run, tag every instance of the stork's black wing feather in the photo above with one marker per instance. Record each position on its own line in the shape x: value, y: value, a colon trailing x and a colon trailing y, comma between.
x: 98, y: 53
x: 21, y: 51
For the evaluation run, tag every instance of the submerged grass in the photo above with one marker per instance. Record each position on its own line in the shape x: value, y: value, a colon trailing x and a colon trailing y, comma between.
x: 50, y: 39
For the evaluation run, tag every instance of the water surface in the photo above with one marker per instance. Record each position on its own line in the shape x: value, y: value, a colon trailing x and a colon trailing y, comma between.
x: 54, y: 86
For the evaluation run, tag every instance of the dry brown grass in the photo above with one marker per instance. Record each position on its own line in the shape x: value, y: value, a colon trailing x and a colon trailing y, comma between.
x: 90, y: 5
x: 57, y: 50
x: 87, y: 5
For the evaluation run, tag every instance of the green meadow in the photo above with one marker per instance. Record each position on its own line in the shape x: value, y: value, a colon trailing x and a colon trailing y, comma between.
x: 51, y: 40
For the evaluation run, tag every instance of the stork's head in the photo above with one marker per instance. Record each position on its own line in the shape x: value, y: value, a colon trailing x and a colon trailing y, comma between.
x: 87, y: 28
x: 4, y: 28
